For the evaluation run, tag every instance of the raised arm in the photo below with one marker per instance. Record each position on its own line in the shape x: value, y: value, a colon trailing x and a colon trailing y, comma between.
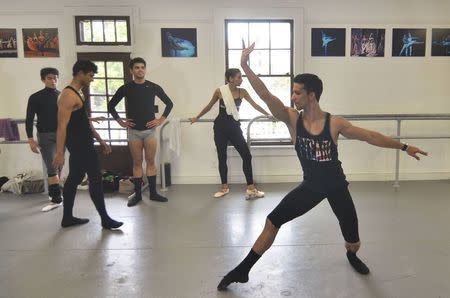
x: 208, y: 107
x: 350, y: 131
x: 276, y: 106
x: 253, y: 103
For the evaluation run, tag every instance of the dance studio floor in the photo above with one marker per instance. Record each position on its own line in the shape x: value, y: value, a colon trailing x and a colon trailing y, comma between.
x: 182, y: 248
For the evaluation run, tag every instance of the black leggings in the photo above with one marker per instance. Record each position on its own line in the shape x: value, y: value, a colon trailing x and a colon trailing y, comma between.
x: 230, y: 130
x: 83, y: 159
x: 301, y: 199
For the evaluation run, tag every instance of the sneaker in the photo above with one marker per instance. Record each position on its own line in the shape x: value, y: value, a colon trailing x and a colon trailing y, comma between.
x: 51, y: 206
x: 221, y: 193
x: 251, y: 194
x: 157, y: 197
x: 134, y: 200
x: 84, y: 185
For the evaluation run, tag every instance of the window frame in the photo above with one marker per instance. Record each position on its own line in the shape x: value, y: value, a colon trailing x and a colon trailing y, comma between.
x: 111, y: 56
x: 291, y: 75
x: 78, y: 19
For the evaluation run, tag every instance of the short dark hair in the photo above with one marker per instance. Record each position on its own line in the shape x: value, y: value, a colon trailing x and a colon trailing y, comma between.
x: 84, y: 66
x: 137, y: 60
x: 311, y: 83
x: 230, y: 73
x: 48, y: 70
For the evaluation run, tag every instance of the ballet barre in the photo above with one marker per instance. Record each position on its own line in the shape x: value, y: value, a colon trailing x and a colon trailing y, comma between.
x: 378, y: 117
x: 365, y: 117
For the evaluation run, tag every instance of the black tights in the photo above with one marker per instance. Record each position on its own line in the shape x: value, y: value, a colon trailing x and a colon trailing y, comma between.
x: 226, y: 130
x: 301, y: 199
x: 83, y: 159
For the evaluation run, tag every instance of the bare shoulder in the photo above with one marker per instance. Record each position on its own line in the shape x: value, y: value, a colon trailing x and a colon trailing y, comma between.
x: 293, y: 116
x: 338, y: 122
x: 68, y: 99
x: 243, y: 91
x: 217, y: 93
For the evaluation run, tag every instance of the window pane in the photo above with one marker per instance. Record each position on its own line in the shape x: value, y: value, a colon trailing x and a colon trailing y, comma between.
x: 119, y: 134
x: 113, y: 85
x: 97, y: 29
x: 280, y: 62
x: 262, y: 130
x: 100, y: 69
x: 259, y: 34
x: 114, y: 124
x: 246, y: 111
x: 101, y: 124
x: 237, y: 32
x: 98, y: 103
x: 280, y: 87
x: 115, y: 69
x: 104, y: 134
x: 280, y: 35
x: 234, y: 59
x: 110, y: 35
x: 98, y: 86
x: 121, y: 29
x: 120, y: 106
x: 259, y: 62
x: 85, y: 31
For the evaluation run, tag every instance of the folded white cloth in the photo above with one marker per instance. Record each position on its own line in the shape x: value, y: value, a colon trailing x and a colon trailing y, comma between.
x: 172, y: 139
x: 228, y: 100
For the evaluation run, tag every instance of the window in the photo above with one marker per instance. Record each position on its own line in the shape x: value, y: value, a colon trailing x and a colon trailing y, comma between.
x: 103, y: 30
x: 272, y: 61
x: 112, y: 73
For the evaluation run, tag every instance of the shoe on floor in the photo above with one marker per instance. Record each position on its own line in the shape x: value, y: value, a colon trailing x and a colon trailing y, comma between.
x: 251, y: 194
x: 51, y: 206
x: 221, y: 193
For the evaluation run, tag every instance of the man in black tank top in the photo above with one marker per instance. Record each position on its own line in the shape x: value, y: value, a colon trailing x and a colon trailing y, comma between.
x: 77, y: 133
x: 315, y: 134
x: 141, y: 125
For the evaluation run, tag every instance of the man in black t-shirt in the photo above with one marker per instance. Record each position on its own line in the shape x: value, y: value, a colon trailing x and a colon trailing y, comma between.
x: 43, y: 104
x: 141, y: 124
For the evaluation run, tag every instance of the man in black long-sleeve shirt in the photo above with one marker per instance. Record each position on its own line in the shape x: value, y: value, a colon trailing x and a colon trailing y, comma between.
x: 141, y: 124
x: 44, y: 104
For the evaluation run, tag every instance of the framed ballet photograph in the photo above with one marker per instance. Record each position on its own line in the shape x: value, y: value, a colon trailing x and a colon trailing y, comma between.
x: 8, y: 43
x: 440, y: 45
x: 179, y: 42
x: 328, y: 42
x: 40, y: 42
x: 367, y: 42
x: 408, y: 42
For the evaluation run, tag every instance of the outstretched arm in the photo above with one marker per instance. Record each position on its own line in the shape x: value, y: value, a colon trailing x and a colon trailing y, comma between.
x: 283, y: 113
x: 208, y: 107
x: 253, y: 103
x: 374, y: 138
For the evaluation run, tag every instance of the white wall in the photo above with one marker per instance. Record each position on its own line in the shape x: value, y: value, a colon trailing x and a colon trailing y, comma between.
x: 352, y: 85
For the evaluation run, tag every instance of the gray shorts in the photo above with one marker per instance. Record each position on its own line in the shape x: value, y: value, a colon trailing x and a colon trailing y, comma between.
x: 47, y: 142
x: 134, y: 134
